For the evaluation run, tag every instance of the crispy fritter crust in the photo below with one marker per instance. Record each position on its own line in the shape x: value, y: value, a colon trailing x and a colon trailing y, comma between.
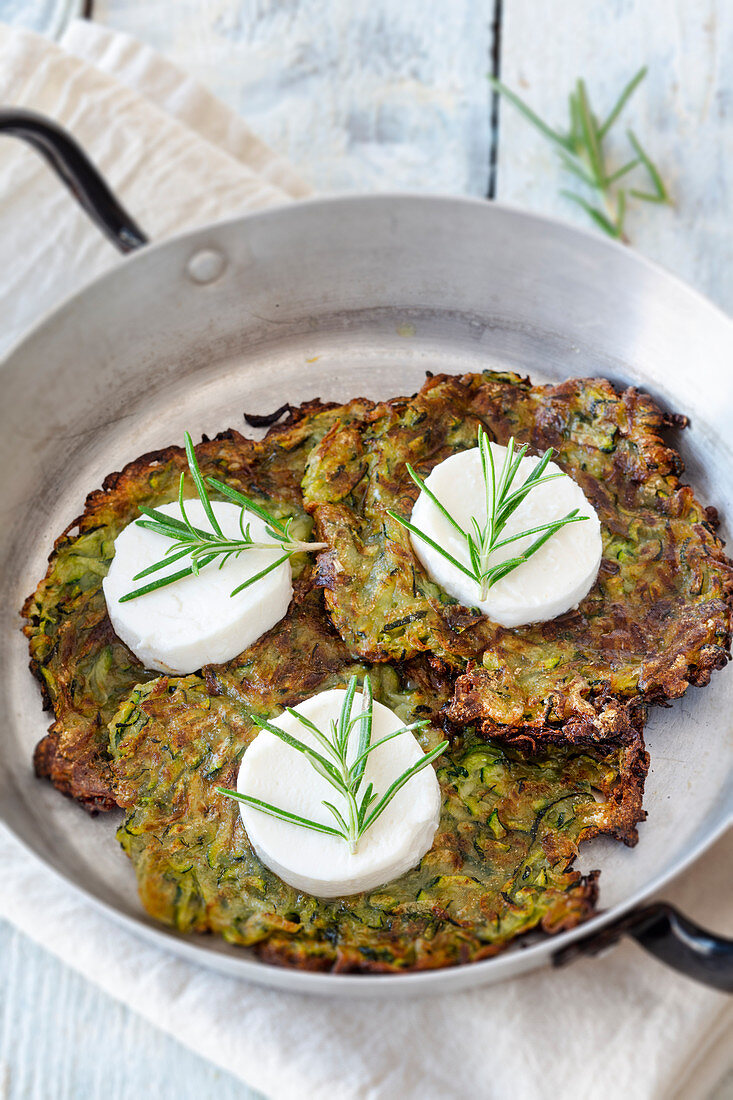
x: 84, y: 669
x: 513, y: 816
x: 657, y: 619
x: 500, y: 866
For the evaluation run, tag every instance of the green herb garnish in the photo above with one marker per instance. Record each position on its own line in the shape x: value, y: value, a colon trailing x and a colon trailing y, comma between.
x: 501, y: 501
x: 581, y: 150
x: 202, y: 547
x: 359, y: 811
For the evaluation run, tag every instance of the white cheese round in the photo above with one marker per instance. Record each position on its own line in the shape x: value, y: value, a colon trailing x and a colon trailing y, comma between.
x: 317, y: 863
x: 557, y: 576
x: 194, y: 621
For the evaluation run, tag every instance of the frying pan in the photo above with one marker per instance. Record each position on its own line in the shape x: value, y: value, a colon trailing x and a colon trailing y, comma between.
x: 333, y: 298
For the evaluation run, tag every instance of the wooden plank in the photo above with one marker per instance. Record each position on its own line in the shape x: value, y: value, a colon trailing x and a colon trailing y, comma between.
x: 61, y: 1038
x: 377, y: 96
x: 683, y: 113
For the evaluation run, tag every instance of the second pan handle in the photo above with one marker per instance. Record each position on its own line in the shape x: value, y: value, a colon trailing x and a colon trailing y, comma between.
x: 74, y: 168
x: 673, y: 939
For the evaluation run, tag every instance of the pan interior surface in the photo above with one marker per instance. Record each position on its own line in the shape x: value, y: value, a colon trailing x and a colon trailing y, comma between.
x: 334, y: 299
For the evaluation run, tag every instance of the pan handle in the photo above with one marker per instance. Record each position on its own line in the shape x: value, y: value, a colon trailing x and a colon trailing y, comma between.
x: 73, y: 167
x: 670, y: 937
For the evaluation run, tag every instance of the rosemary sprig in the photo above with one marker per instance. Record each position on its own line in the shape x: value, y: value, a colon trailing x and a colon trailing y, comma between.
x: 501, y: 500
x: 201, y: 547
x: 358, y: 810
x: 581, y: 150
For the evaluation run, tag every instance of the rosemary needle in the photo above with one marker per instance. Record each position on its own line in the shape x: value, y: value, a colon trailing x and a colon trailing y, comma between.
x: 502, y: 498
x: 581, y: 150
x: 359, y: 809
x: 201, y: 547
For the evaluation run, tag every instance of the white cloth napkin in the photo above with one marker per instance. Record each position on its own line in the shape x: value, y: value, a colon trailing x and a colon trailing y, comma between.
x: 618, y: 1026
x: 175, y: 154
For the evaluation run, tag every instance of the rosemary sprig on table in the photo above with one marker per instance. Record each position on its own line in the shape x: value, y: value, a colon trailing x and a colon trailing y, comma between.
x: 358, y: 811
x: 581, y: 150
x: 202, y: 547
x: 501, y: 500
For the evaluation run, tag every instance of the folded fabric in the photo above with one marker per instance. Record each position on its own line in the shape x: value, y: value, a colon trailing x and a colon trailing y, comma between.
x: 618, y: 1026
x: 169, y: 177
x: 149, y: 73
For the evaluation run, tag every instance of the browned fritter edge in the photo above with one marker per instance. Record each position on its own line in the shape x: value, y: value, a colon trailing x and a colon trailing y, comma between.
x: 75, y: 779
x: 71, y: 779
x: 624, y: 816
x: 283, y: 951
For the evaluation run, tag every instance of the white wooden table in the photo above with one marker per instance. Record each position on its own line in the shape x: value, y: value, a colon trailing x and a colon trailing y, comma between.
x: 387, y: 95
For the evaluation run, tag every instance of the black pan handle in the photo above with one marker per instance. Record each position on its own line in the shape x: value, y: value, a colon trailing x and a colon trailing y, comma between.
x: 74, y: 168
x: 671, y: 938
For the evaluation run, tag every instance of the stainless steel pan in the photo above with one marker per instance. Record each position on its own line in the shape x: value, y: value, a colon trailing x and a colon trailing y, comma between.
x: 337, y: 297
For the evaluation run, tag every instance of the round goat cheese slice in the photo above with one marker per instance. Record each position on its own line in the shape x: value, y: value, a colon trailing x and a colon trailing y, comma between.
x: 195, y: 621
x: 557, y: 576
x: 317, y: 863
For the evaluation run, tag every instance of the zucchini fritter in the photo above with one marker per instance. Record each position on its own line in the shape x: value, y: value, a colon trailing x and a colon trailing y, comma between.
x: 657, y: 619
x: 84, y: 669
x: 500, y: 866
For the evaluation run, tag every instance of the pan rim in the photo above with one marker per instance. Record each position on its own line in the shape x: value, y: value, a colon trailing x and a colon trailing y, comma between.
x: 296, y: 207
x: 408, y: 984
